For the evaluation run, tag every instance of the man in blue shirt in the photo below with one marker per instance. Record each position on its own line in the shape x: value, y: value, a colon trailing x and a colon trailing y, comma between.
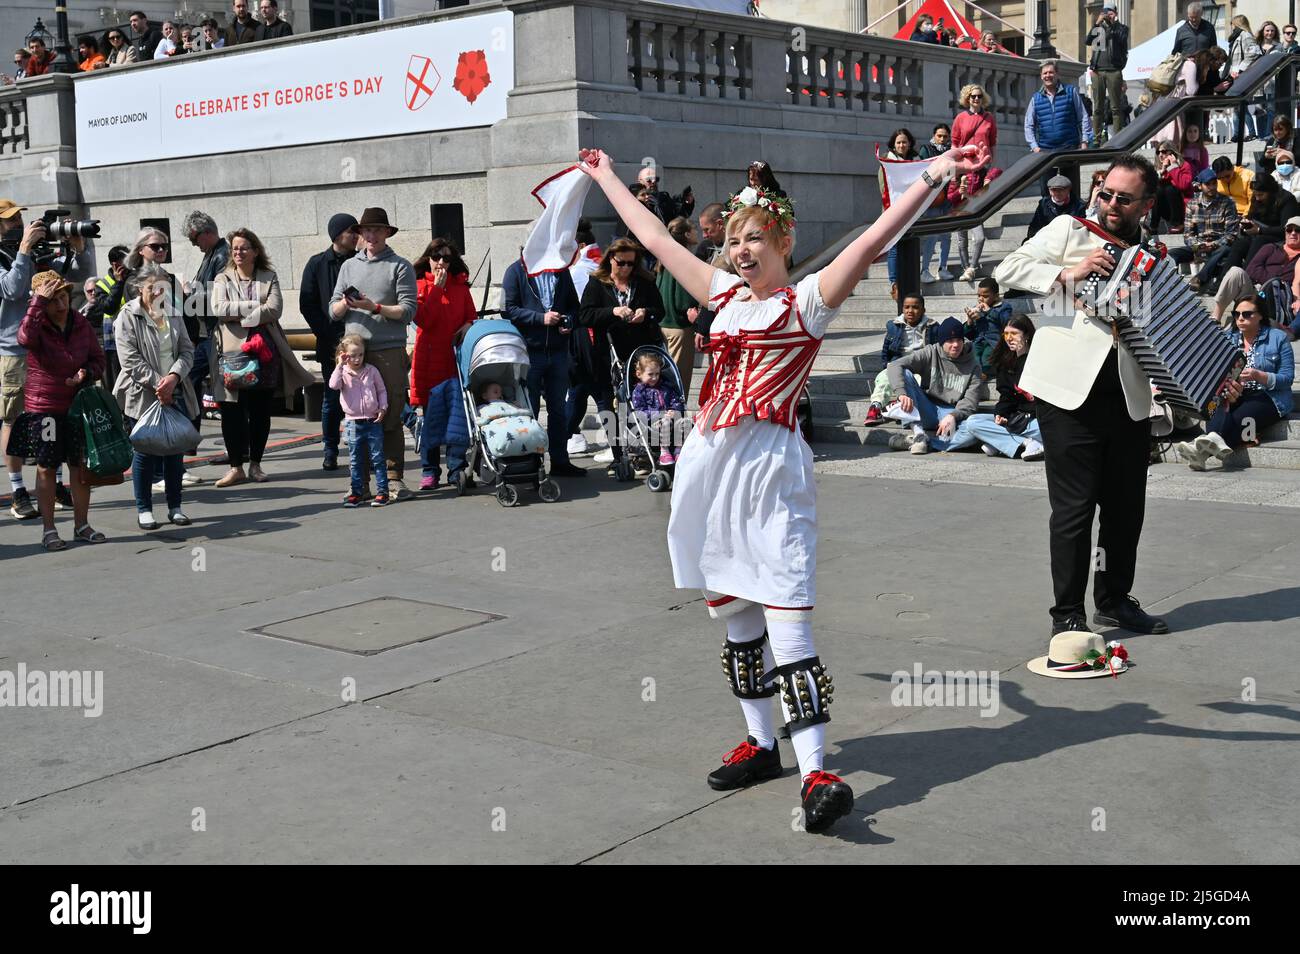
x: 1056, y: 117
x: 544, y: 307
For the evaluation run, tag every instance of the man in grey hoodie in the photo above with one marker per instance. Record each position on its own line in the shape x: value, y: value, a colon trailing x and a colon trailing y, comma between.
x: 375, y: 297
x: 938, y: 388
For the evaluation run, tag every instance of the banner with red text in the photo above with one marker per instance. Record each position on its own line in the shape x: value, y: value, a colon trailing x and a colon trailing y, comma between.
x: 431, y: 76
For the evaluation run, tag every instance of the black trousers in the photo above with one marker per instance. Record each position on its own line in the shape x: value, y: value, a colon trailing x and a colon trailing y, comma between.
x: 1096, y: 457
x: 246, y: 425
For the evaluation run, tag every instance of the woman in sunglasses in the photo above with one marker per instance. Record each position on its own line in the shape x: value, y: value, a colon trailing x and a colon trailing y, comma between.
x: 445, y: 308
x: 1258, y: 399
x: 1177, y: 186
x: 120, y: 52
x: 621, y: 305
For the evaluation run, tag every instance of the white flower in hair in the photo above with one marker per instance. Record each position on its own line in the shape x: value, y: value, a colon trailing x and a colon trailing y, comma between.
x: 763, y: 202
x: 747, y: 195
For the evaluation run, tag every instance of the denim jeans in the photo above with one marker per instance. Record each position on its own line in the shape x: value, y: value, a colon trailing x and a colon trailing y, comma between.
x: 982, y: 429
x: 548, y: 376
x: 944, y: 241
x: 366, y: 448
x: 144, y: 467
x: 928, y: 412
x: 331, y: 412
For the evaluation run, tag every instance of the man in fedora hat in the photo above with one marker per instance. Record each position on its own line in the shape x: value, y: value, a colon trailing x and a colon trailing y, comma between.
x: 15, y: 291
x: 375, y: 298
x: 316, y: 288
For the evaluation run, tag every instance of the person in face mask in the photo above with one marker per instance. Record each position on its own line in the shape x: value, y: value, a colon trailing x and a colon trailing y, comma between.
x: 1286, y: 173
x: 925, y: 31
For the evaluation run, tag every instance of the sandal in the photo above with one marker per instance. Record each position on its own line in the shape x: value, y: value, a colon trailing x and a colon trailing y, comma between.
x: 86, y: 534
x: 50, y: 541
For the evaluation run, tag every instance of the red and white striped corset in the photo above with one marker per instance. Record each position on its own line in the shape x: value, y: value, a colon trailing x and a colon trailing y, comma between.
x: 760, y: 372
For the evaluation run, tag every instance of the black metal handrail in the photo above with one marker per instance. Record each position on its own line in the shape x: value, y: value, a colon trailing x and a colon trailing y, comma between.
x: 1029, y: 169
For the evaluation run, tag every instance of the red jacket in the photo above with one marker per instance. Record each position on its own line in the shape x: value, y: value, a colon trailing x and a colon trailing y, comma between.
x: 439, y: 315
x: 1182, y: 177
x: 54, y: 356
x: 970, y: 127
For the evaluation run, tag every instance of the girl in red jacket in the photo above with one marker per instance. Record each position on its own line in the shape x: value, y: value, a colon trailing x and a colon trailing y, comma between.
x: 445, y: 308
x: 63, y: 354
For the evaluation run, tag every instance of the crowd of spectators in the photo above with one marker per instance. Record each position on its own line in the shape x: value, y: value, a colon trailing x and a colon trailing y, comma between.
x: 143, y: 41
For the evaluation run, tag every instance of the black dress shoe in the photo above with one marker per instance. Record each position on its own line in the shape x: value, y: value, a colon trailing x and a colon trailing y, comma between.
x: 1128, y: 614
x: 1075, y: 624
x: 331, y: 462
x: 567, y: 470
x: 745, y: 764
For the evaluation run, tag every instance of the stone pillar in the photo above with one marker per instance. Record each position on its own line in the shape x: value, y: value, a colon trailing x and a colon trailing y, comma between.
x: 858, y: 18
x: 44, y: 172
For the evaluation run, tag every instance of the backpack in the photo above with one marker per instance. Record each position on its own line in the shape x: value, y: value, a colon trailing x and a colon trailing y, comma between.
x: 1165, y: 75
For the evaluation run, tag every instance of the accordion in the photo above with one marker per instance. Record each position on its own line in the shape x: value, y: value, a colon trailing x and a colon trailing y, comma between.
x: 1158, y: 317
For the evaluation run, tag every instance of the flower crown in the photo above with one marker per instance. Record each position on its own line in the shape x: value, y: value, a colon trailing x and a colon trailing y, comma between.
x: 780, y: 207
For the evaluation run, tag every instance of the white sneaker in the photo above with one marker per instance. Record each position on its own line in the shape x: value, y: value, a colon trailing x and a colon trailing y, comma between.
x: 577, y: 445
x: 190, y: 480
x: 900, y: 442
x: 968, y: 275
x: 1212, y: 445
x: 946, y: 274
x: 146, y: 520
x: 928, y: 278
x: 1193, y: 455
x: 990, y: 450
x: 604, y: 457
x: 1033, y: 450
x: 159, y: 486
x: 920, y: 444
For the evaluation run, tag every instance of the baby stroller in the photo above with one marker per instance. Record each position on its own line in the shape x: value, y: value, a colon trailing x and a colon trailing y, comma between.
x: 644, y: 434
x: 493, y: 350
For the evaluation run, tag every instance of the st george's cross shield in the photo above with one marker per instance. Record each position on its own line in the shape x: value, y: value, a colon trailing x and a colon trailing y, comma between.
x: 422, y: 78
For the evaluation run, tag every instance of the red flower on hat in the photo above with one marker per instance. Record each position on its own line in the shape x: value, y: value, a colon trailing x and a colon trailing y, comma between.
x: 471, y: 74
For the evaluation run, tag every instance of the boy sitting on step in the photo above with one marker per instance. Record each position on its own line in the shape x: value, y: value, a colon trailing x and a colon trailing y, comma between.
x: 984, y: 323
x: 910, y: 331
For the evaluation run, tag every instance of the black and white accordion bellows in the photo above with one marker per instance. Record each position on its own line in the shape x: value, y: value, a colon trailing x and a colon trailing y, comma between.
x: 1184, y: 352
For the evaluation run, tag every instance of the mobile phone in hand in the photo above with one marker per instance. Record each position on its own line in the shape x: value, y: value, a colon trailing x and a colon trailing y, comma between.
x: 352, y: 294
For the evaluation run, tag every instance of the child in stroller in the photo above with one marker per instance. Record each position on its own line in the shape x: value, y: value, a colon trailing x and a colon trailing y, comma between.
x: 506, y: 430
x: 660, y: 401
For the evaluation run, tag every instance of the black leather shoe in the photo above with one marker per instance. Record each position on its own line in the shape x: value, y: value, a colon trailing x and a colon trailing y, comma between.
x: 1128, y: 614
x: 567, y: 470
x: 331, y: 461
x: 1075, y: 624
x: 744, y: 765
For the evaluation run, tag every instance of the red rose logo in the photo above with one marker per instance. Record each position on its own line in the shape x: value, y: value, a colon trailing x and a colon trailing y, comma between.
x: 471, y: 75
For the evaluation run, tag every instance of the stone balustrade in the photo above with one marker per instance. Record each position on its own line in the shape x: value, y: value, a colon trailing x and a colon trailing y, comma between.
x: 698, y: 94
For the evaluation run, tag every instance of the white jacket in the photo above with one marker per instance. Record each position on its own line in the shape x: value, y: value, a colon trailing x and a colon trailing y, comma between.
x: 1063, y: 363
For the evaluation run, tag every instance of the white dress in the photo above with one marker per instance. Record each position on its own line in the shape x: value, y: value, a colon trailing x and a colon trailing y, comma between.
x: 744, y: 505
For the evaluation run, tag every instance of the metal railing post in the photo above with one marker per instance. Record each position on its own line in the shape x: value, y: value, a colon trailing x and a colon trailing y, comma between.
x: 909, y: 267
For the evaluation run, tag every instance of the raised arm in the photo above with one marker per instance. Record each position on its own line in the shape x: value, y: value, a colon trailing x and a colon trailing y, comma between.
x: 838, y: 279
x: 694, y: 275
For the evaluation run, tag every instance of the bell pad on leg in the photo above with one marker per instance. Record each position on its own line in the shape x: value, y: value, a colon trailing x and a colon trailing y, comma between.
x: 807, y: 691
x: 743, y: 667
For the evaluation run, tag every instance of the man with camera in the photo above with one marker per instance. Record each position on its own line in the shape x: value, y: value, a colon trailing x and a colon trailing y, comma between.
x: 25, y: 249
x: 15, y: 291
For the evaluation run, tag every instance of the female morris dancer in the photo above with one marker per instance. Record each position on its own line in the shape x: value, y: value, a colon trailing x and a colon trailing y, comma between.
x: 744, y: 508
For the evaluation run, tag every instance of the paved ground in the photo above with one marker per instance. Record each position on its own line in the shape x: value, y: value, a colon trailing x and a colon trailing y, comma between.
x: 577, y: 719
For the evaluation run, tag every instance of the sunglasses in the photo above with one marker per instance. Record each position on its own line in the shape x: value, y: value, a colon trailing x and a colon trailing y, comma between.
x: 440, y: 257
x: 976, y: 96
x: 1244, y: 314
x: 1292, y: 228
x: 158, y: 246
x: 1288, y: 32
x: 1123, y: 201
x: 622, y: 264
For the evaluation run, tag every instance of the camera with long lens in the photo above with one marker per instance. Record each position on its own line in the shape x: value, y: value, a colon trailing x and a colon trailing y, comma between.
x: 53, y: 251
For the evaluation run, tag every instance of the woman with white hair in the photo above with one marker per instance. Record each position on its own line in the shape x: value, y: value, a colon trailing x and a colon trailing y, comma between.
x: 975, y: 125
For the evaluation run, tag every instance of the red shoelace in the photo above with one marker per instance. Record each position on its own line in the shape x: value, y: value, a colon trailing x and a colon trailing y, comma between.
x: 814, y: 779
x: 742, y: 752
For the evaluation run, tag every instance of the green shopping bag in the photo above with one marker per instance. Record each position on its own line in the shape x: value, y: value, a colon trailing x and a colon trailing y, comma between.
x: 108, y: 449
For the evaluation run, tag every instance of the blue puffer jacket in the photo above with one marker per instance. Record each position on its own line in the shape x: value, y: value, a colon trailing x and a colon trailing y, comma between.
x: 1056, y: 119
x: 1272, y: 354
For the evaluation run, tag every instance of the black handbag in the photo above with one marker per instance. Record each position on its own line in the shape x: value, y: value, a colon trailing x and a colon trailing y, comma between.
x: 1017, y: 422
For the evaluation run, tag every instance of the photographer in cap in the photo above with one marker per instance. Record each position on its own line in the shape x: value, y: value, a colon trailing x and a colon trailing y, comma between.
x: 15, y: 290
